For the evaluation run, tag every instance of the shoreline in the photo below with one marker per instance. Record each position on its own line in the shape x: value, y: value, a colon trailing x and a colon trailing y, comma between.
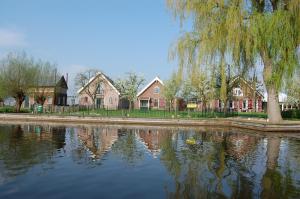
x: 239, y: 123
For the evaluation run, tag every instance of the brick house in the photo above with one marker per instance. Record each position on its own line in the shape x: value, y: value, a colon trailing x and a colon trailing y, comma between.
x: 245, y: 98
x: 151, y: 96
x: 98, y: 141
x: 102, y: 88
x: 54, y: 95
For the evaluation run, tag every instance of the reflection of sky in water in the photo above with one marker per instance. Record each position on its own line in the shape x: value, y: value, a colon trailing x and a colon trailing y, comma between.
x: 153, y: 163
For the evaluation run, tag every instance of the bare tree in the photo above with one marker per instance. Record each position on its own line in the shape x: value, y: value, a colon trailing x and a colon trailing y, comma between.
x: 47, y: 77
x: 83, y: 80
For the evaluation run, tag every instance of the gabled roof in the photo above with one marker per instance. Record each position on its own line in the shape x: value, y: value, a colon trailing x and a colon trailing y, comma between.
x: 109, y: 81
x: 148, y: 85
x: 62, y: 83
x: 246, y: 82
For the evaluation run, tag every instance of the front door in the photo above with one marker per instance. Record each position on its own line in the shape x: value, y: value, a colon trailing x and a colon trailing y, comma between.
x: 98, y: 102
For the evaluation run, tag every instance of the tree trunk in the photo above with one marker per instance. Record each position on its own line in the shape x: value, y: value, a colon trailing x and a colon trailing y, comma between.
x: 130, y: 104
x: 204, y: 106
x: 269, y: 187
x: 273, y: 109
x: 19, y: 102
x: 41, y: 100
x: 20, y: 97
x: 273, y: 149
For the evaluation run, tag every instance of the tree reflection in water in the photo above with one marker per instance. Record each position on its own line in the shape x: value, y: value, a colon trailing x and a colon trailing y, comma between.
x: 22, y: 147
x: 276, y: 182
x: 127, y: 146
x: 225, y: 165
x: 220, y: 164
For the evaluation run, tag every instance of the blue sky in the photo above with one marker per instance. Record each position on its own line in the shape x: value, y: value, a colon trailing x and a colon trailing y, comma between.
x: 115, y: 36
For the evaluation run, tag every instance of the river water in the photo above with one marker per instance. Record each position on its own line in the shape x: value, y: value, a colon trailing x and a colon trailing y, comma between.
x: 46, y: 161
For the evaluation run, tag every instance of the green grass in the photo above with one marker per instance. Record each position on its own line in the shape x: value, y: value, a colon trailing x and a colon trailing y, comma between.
x: 11, y: 109
x: 253, y: 115
x: 145, y: 114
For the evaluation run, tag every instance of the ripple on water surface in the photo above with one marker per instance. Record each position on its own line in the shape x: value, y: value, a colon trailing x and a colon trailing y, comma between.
x: 109, y: 162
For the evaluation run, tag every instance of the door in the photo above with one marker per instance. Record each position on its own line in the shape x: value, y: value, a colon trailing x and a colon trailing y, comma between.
x: 98, y: 102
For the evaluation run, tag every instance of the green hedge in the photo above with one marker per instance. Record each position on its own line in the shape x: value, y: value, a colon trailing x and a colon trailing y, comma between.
x: 291, y: 114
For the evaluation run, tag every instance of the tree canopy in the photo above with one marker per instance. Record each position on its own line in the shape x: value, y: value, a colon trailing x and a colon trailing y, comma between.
x: 171, y: 89
x: 21, y: 74
x: 17, y: 76
x: 246, y: 33
x: 129, y: 86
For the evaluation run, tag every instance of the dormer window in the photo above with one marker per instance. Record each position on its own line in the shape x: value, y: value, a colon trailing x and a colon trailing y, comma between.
x: 156, y: 90
x: 237, y: 92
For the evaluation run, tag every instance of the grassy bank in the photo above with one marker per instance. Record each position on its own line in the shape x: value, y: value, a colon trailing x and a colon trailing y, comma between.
x: 11, y: 109
x: 158, y: 114
x: 287, y: 115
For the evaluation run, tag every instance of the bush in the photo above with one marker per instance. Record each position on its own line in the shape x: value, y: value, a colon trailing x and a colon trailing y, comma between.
x: 291, y: 114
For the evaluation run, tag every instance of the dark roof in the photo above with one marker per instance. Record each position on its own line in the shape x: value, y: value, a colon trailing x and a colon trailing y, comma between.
x: 62, y: 83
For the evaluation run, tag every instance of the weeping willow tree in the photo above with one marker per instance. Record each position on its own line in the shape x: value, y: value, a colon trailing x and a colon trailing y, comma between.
x: 246, y: 32
x: 171, y: 89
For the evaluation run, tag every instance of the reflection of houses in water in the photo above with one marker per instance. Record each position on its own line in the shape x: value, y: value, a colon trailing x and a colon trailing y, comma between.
x: 24, y: 146
x: 237, y: 145
x: 240, y: 145
x: 98, y: 140
x: 47, y: 133
x: 152, y: 140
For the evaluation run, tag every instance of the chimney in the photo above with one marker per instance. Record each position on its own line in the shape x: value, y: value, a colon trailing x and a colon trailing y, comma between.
x: 67, y: 77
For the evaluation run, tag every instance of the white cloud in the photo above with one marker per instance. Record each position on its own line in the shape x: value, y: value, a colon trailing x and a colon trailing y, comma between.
x: 11, y: 38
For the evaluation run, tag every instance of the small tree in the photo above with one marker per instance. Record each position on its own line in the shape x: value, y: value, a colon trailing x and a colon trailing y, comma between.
x: 129, y: 86
x: 17, y: 75
x: 82, y: 79
x: 171, y: 89
x: 187, y: 90
x: 293, y: 90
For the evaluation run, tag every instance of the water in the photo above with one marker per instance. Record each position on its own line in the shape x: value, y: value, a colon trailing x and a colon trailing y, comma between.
x: 114, y: 162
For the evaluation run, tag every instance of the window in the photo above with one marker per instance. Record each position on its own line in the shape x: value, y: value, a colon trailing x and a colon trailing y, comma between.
x: 144, y: 103
x: 245, y: 104
x: 49, y: 100
x: 231, y: 104
x: 100, y: 89
x: 237, y: 92
x: 155, y: 104
x: 86, y: 99
x: 110, y: 100
x: 156, y: 90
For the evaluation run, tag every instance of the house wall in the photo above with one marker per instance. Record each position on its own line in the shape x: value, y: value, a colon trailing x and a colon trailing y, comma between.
x: 253, y: 102
x: 110, y: 96
x: 58, y: 97
x: 48, y: 92
x: 149, y: 93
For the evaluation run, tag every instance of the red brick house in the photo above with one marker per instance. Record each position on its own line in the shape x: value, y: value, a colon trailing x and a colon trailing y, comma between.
x: 245, y: 98
x: 151, y: 96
